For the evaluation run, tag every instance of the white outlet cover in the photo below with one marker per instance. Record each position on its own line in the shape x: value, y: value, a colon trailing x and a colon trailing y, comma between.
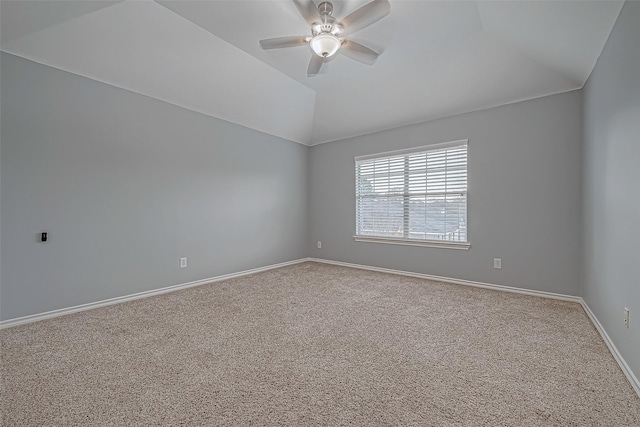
x: 497, y: 263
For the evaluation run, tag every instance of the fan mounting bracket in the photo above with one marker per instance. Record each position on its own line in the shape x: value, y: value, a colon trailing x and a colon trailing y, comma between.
x: 325, y: 8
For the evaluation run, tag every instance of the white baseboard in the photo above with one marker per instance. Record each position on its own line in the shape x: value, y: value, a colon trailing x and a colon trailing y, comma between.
x: 612, y: 348
x: 503, y: 288
x: 64, y: 311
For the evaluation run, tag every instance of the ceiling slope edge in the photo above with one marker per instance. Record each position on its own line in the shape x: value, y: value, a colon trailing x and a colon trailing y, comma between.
x: 149, y: 96
x: 585, y: 28
x: 443, y: 116
x: 117, y: 46
x: 19, y: 17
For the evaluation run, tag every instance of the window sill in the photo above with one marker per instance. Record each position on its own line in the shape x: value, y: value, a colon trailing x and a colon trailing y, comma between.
x: 444, y: 244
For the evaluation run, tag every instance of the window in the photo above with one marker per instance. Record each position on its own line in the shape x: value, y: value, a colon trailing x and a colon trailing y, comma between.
x: 414, y: 197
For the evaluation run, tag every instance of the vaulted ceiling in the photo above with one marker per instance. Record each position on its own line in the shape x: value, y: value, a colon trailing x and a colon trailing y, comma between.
x: 439, y: 58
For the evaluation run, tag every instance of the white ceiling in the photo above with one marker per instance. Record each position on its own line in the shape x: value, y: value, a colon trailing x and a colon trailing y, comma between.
x: 439, y: 58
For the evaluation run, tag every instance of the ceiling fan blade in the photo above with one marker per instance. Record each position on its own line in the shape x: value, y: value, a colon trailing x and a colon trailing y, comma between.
x: 314, y: 65
x: 308, y: 10
x: 280, y: 42
x: 368, y: 14
x: 359, y: 52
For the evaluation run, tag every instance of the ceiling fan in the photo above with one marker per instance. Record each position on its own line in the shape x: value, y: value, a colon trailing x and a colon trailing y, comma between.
x: 328, y: 36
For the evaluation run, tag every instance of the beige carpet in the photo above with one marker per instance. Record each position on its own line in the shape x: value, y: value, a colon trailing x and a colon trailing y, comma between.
x: 317, y: 344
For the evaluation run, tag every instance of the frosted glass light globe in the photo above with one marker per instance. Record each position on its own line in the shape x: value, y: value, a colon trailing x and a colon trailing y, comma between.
x: 325, y: 45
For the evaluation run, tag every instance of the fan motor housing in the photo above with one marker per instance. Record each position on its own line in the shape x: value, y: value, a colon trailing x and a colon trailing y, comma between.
x: 329, y: 28
x: 328, y: 24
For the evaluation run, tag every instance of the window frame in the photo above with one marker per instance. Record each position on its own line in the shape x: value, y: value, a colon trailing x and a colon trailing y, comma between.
x: 446, y: 244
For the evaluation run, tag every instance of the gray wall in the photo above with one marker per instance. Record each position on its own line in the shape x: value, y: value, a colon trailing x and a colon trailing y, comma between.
x: 611, y: 259
x: 126, y: 185
x: 524, y: 196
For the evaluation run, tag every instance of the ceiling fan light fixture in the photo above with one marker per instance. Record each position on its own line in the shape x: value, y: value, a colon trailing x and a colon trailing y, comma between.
x: 329, y: 36
x: 325, y: 45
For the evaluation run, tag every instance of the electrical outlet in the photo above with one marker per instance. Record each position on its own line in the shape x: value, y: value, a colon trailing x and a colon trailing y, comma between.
x: 319, y: 244
x: 626, y: 317
x: 183, y: 262
x: 497, y: 263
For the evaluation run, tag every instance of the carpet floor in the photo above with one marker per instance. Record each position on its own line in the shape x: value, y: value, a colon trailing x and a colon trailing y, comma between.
x: 315, y: 344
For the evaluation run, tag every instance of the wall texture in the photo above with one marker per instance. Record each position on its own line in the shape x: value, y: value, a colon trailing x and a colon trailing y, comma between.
x: 611, y: 259
x: 126, y: 185
x: 524, y: 196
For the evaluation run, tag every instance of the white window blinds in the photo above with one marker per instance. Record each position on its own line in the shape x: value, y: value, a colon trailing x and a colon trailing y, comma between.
x: 418, y: 194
